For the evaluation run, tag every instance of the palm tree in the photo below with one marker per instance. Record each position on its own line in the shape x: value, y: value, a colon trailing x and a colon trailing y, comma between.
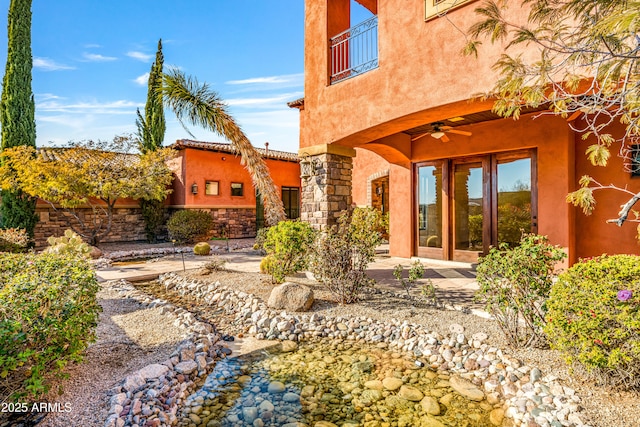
x: 197, y: 104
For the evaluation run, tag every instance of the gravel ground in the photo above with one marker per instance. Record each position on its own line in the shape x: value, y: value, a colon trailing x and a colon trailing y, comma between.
x: 130, y: 337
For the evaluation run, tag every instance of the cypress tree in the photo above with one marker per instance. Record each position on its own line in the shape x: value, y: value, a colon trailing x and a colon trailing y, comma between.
x: 17, y: 111
x: 151, y: 130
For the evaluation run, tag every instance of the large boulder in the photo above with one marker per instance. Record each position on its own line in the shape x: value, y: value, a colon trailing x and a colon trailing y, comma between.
x: 291, y: 297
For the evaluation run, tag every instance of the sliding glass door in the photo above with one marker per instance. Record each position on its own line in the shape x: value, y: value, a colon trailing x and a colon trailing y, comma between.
x: 465, y: 206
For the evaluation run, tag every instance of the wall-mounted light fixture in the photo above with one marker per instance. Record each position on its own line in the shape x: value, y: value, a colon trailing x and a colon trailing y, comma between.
x: 308, y: 167
x: 194, y: 188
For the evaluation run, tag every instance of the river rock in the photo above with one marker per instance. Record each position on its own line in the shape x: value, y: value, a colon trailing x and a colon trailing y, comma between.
x: 275, y: 387
x: 291, y: 297
x: 410, y: 393
x: 374, y: 385
x: 266, y: 405
x: 186, y: 367
x: 430, y: 405
x: 152, y: 371
x: 466, y: 388
x: 391, y: 383
x: 250, y: 414
x: 496, y: 416
x: 291, y: 397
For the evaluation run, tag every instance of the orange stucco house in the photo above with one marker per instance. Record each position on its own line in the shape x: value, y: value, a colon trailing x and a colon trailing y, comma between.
x: 209, y: 176
x: 388, y: 120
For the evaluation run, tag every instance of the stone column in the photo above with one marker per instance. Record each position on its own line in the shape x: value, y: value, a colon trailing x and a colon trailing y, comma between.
x: 326, y: 192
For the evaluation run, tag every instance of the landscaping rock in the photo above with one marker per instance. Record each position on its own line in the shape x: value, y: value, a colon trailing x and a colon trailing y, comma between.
x: 291, y: 297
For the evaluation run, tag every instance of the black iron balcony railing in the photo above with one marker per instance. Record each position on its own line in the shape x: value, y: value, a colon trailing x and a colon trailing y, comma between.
x: 354, y: 51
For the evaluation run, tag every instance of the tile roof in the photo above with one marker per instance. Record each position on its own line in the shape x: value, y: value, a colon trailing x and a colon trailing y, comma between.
x: 228, y: 148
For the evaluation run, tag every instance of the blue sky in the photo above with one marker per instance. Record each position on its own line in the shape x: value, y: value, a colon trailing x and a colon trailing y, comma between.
x: 91, y: 58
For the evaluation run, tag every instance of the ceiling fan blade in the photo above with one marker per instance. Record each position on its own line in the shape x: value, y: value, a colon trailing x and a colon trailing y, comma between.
x: 415, y: 138
x: 445, y: 138
x: 460, y: 132
x: 574, y: 116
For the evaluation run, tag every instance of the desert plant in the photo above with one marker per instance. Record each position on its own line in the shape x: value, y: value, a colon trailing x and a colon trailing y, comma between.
x: 429, y: 292
x: 202, y: 248
x: 416, y: 271
x: 593, y: 318
x: 215, y: 264
x: 341, y: 254
x: 266, y: 265
x: 514, y: 286
x: 69, y: 243
x: 48, y: 314
x: 288, y: 243
x: 14, y: 240
x: 187, y: 226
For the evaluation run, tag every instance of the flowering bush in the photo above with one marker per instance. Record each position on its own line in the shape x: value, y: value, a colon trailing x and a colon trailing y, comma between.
x: 48, y: 314
x: 514, y: 286
x: 594, y: 318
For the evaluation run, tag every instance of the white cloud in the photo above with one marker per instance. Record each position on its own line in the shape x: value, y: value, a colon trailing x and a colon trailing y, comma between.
x: 91, y: 46
x: 285, y: 78
x: 142, y: 80
x: 94, y: 107
x: 40, y: 97
x: 140, y: 56
x: 95, y: 57
x: 47, y: 64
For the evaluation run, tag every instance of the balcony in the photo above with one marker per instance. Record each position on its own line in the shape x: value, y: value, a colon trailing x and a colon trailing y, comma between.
x: 354, y: 51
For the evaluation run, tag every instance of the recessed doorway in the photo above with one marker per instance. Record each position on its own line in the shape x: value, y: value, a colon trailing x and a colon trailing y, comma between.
x: 466, y: 205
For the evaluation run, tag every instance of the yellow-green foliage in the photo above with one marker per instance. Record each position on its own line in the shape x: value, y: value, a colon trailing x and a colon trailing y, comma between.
x: 70, y: 243
x: 593, y: 318
x: 202, y: 248
x: 266, y: 265
x: 288, y: 243
x: 48, y: 316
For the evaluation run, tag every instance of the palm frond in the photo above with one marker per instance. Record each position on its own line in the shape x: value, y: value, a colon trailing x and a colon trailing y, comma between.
x: 195, y: 103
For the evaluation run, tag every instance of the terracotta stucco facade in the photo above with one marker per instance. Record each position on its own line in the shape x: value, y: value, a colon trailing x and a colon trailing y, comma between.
x: 421, y: 78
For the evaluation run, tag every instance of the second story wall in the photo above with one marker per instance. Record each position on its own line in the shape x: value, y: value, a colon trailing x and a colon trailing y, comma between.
x: 421, y: 75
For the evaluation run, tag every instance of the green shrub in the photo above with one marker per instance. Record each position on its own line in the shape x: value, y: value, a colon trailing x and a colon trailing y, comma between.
x: 515, y: 284
x: 342, y: 253
x: 70, y: 243
x: 188, y: 226
x: 416, y: 271
x: 594, y: 318
x: 48, y: 314
x: 266, y: 265
x: 14, y: 240
x: 288, y: 243
x: 202, y: 248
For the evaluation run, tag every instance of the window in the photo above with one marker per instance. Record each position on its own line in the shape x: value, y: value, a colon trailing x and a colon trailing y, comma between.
x: 291, y: 202
x: 433, y: 8
x: 237, y: 189
x: 212, y: 188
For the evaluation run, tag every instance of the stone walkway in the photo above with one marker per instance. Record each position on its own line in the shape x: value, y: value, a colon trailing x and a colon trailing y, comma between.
x: 455, y: 281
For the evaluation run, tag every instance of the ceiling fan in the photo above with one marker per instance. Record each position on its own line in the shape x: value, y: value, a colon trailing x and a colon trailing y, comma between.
x: 438, y: 132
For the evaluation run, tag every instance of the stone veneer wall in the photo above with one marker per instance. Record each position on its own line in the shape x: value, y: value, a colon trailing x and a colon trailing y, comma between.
x: 328, y: 193
x: 240, y: 222
x: 127, y: 226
